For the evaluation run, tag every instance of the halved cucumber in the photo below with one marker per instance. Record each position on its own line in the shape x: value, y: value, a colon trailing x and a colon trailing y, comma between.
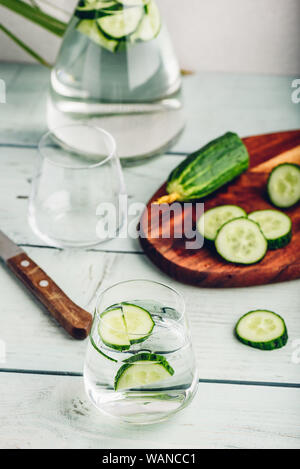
x: 139, y: 322
x: 141, y: 370
x: 211, y: 221
x: 241, y: 241
x: 122, y: 23
x: 112, y: 329
x: 90, y: 29
x: 284, y: 185
x: 276, y: 227
x: 262, y: 329
x: 150, y: 25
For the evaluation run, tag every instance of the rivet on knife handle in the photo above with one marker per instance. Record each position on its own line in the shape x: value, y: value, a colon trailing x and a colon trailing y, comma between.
x: 75, y: 320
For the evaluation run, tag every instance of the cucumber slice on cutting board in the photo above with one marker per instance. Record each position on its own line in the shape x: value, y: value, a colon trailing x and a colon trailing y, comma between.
x: 139, y: 322
x: 211, y: 221
x: 121, y: 24
x: 125, y: 324
x: 141, y: 370
x: 284, y: 185
x: 276, y: 227
x: 241, y: 241
x: 262, y: 329
x: 90, y: 29
x: 112, y: 329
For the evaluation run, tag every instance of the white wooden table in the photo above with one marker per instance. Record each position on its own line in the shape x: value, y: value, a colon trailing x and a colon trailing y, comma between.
x: 246, y: 398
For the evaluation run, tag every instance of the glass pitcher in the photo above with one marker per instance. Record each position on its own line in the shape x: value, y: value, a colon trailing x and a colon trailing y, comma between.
x: 117, y: 69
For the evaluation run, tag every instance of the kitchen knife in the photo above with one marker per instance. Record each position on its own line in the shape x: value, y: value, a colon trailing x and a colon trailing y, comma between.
x: 75, y: 320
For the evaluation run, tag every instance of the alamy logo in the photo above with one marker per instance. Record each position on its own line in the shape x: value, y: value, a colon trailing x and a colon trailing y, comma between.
x: 296, y: 93
x: 2, y: 92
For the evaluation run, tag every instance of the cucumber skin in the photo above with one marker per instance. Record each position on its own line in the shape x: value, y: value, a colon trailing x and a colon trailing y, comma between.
x: 279, y: 242
x: 142, y: 357
x: 209, y: 168
x: 268, y: 183
x: 99, y: 351
x: 271, y: 344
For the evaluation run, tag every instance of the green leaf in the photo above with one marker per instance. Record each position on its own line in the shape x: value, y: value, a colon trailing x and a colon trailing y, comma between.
x: 24, y: 46
x: 44, y: 20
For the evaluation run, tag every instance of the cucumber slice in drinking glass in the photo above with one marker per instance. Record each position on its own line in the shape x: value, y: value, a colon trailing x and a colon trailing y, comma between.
x: 262, y: 329
x: 141, y: 370
x: 276, y: 227
x: 211, y: 220
x: 125, y: 324
x: 139, y: 322
x: 241, y: 241
x: 121, y: 24
x: 284, y: 185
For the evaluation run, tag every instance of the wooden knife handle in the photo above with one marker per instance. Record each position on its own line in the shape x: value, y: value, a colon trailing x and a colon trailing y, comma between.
x: 75, y: 320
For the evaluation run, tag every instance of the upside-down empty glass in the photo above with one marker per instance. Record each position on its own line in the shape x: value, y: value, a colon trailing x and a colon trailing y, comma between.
x: 140, y: 366
x: 78, y: 189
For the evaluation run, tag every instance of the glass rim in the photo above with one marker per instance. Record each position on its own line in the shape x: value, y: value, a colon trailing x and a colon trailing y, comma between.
x: 173, y: 290
x: 50, y: 132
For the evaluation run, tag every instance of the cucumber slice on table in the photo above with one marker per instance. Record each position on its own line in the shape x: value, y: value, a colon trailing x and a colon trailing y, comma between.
x: 122, y: 23
x: 262, y: 329
x: 90, y: 29
x: 125, y: 324
x: 112, y: 329
x: 139, y: 322
x: 276, y: 227
x: 150, y: 25
x: 211, y: 220
x: 241, y: 241
x: 142, y: 369
x: 284, y: 185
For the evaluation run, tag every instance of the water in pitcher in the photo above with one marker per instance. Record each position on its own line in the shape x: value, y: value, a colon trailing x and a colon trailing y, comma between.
x: 117, y: 69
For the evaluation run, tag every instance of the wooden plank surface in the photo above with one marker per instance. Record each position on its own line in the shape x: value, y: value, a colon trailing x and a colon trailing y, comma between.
x: 39, y: 409
x: 53, y: 412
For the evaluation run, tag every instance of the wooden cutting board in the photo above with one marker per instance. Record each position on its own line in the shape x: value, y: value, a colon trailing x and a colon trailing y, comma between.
x: 203, y: 266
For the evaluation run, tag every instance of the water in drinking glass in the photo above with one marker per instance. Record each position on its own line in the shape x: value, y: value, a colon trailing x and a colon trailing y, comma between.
x: 140, y: 365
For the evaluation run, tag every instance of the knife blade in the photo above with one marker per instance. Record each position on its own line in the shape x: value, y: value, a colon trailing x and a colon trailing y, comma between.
x: 75, y: 320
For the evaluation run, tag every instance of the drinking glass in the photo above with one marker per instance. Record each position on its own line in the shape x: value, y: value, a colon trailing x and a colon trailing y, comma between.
x: 155, y: 374
x: 78, y: 191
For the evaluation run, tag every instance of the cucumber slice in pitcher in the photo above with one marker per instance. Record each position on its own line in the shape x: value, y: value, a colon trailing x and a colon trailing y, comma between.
x: 211, y: 220
x: 284, y: 185
x: 276, y: 227
x: 90, y: 29
x: 150, y: 25
x: 132, y: 3
x: 141, y: 370
x: 112, y: 329
x: 241, y: 241
x: 139, y: 322
x: 121, y: 24
x: 262, y: 329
